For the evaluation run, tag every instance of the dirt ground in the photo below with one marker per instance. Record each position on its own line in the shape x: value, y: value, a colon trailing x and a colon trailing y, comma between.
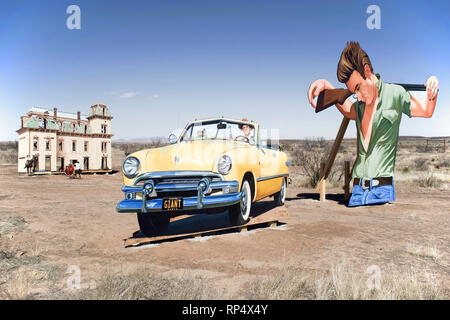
x: 74, y: 222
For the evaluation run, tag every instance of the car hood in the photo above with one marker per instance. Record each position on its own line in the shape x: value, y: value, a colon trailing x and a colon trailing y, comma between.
x: 193, y: 155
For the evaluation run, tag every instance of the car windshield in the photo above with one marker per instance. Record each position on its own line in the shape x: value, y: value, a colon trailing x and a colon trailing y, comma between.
x: 219, y: 130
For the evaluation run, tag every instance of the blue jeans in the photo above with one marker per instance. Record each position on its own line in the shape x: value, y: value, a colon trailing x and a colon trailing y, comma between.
x: 371, y: 195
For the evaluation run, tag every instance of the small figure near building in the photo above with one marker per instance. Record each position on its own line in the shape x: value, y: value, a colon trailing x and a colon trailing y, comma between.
x: 77, y: 169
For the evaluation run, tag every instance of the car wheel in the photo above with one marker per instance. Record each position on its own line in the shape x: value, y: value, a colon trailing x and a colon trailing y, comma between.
x: 152, y: 224
x: 280, y: 196
x: 240, y: 212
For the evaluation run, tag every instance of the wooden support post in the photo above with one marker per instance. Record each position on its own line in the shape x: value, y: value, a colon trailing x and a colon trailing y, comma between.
x: 322, y: 183
x: 337, y: 142
x: 347, y: 177
x: 272, y: 224
x: 243, y: 229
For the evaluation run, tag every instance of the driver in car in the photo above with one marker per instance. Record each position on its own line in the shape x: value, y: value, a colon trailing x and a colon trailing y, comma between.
x: 246, y: 130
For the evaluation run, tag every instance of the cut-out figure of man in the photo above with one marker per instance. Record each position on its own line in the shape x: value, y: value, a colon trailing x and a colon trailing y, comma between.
x: 377, y: 113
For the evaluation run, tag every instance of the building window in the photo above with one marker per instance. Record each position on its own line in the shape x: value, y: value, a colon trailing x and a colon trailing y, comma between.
x: 41, y: 123
x: 74, y: 145
x: 47, y: 144
x: 85, y: 146
x: 104, y: 126
x: 85, y: 128
x: 60, y: 145
x: 35, y: 143
x: 104, y: 146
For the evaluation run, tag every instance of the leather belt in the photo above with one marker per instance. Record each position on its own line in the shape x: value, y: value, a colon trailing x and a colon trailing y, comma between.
x: 376, y: 182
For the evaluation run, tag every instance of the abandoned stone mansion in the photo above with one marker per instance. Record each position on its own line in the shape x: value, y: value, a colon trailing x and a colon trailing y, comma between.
x: 59, y: 138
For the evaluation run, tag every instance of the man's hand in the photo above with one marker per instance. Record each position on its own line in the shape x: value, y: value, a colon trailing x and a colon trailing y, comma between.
x: 432, y: 85
x: 426, y: 110
x: 316, y: 88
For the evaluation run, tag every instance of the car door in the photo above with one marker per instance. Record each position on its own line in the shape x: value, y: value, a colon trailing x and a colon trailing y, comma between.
x: 268, y: 182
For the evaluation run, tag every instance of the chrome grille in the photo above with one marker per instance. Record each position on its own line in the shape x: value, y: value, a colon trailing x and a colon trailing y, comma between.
x: 177, y: 177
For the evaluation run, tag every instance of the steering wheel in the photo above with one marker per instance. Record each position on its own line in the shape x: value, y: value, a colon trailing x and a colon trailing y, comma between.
x: 239, y: 138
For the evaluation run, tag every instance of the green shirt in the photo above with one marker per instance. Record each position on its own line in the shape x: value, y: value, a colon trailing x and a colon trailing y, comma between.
x: 379, y: 158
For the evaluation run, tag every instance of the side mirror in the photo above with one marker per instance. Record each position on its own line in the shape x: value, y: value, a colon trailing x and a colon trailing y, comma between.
x: 173, y: 138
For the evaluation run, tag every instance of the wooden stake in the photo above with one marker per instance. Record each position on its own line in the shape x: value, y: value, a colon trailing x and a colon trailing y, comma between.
x: 322, y: 183
x: 243, y: 229
x: 347, y: 177
x: 337, y: 142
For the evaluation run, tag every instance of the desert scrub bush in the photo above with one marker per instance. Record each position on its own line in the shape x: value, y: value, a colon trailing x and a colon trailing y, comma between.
x: 428, y: 180
x: 130, y: 147
x: 309, y: 156
x: 10, y: 224
x: 421, y: 163
x: 146, y: 285
x: 343, y: 283
x: 424, y: 149
x: 406, y: 170
x: 443, y: 163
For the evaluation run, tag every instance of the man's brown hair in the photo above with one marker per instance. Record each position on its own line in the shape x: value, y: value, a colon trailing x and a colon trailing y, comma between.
x: 352, y: 58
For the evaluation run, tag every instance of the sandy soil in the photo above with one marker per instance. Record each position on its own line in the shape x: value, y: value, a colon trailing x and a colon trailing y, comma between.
x: 74, y: 223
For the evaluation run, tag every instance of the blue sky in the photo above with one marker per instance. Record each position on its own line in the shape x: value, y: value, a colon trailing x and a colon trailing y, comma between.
x: 158, y: 64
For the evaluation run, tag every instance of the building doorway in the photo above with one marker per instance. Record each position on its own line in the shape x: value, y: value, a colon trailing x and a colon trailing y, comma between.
x: 60, y: 160
x: 86, y: 163
x: 48, y: 163
x: 104, y: 163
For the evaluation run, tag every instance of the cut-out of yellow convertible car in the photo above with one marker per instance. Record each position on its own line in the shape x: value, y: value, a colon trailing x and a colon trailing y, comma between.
x: 213, y: 166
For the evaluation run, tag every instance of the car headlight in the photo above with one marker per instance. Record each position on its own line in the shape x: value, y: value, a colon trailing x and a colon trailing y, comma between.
x: 130, y: 167
x: 224, y: 164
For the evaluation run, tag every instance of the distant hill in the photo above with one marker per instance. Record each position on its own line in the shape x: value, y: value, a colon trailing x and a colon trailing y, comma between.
x: 144, y: 140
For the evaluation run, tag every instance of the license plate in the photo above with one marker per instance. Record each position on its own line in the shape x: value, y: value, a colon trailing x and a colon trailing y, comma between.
x: 172, y: 204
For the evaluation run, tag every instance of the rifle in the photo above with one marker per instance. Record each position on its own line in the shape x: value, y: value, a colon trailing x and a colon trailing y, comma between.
x: 329, y: 97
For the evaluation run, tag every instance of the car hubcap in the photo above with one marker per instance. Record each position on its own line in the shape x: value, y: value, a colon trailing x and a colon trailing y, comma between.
x: 283, y: 191
x: 245, y: 206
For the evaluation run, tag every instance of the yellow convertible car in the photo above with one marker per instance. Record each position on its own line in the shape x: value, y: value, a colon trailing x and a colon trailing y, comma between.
x: 214, y: 165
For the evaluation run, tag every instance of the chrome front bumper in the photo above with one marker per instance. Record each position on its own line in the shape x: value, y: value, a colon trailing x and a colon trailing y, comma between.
x: 150, y: 202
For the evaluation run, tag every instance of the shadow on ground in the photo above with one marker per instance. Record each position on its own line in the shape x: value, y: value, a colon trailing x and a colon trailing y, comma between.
x: 337, y: 197
x: 210, y: 222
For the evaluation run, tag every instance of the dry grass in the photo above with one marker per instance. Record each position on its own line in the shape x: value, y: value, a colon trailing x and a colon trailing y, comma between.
x: 342, y: 283
x: 288, y: 284
x: 146, y: 285
x: 18, y: 286
x: 431, y: 252
x: 10, y: 224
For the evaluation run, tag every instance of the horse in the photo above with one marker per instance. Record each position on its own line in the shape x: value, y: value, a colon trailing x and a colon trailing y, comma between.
x: 31, y: 164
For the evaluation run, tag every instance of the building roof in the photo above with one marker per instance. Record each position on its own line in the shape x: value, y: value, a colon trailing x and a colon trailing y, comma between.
x: 99, y: 109
x: 62, y: 114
